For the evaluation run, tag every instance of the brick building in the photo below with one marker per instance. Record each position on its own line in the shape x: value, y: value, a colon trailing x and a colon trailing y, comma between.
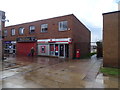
x: 111, y: 31
x: 58, y: 36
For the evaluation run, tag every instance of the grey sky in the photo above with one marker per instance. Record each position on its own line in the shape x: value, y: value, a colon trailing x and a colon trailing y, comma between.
x: 89, y: 12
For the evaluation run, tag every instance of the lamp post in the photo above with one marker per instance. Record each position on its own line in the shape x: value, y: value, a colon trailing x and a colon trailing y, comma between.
x: 2, y: 24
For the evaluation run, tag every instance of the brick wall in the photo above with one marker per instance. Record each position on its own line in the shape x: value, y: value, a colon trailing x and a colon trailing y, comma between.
x: 52, y: 29
x: 110, y: 39
x: 77, y: 31
x: 81, y: 36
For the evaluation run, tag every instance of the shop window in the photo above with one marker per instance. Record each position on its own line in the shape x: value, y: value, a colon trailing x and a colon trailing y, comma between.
x: 52, y: 49
x: 21, y: 30
x: 56, y: 49
x: 5, y: 33
x: 14, y: 51
x: 44, y: 27
x: 14, y: 47
x: 32, y: 29
x: 6, y: 46
x: 63, y: 25
x: 42, y: 49
x: 12, y: 31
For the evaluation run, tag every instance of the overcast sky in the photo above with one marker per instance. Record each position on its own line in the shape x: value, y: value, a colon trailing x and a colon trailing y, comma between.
x: 89, y: 12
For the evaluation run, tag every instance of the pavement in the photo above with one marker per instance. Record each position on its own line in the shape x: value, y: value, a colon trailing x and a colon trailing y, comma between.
x: 46, y: 72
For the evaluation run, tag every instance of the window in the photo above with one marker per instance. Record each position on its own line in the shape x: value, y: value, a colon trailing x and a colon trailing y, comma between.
x: 63, y: 25
x: 32, y: 29
x: 52, y: 49
x: 42, y: 49
x: 5, y: 33
x: 12, y: 31
x: 44, y: 27
x: 21, y: 30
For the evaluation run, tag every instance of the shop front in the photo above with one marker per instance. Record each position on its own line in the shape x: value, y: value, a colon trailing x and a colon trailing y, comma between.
x: 54, y: 47
x: 24, y: 45
x: 10, y: 47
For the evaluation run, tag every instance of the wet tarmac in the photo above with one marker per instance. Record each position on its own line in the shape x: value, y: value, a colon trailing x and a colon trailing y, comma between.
x: 45, y: 72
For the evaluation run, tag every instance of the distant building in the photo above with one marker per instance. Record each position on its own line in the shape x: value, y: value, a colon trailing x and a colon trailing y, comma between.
x: 111, y: 36
x: 58, y: 37
x: 93, y: 48
x: 99, y: 49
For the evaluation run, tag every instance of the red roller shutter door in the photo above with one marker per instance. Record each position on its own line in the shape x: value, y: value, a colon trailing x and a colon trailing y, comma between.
x: 24, y: 48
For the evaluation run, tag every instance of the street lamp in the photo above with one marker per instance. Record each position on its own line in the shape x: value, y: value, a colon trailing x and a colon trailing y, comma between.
x: 3, y: 21
x: 2, y: 17
x: 2, y: 24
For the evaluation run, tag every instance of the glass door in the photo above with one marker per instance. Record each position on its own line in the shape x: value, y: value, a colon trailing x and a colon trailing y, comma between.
x: 52, y: 53
x: 66, y: 50
x: 61, y: 50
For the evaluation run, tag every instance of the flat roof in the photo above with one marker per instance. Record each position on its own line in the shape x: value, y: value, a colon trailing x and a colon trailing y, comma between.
x: 111, y: 12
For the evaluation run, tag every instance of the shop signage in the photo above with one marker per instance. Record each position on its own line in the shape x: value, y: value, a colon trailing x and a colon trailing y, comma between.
x: 61, y: 40
x: 13, y: 41
x: 26, y: 39
x: 8, y: 42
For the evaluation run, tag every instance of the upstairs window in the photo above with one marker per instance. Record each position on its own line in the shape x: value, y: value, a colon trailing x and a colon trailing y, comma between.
x: 13, y: 32
x: 63, y: 25
x: 21, y: 30
x: 44, y: 27
x: 32, y: 29
x: 5, y: 33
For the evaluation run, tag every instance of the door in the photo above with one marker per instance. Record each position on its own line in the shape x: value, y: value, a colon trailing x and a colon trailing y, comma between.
x: 24, y: 48
x: 66, y: 50
x: 61, y: 50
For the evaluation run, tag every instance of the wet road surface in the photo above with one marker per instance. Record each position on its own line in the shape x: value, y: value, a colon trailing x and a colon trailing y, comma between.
x: 45, y: 72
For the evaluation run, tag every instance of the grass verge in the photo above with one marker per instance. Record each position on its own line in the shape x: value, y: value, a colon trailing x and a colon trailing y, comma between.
x: 110, y: 71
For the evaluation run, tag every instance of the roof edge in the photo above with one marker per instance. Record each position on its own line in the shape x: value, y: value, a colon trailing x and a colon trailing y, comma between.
x: 40, y: 20
x: 111, y: 12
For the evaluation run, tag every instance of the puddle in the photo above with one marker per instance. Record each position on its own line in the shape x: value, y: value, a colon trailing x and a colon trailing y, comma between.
x: 8, y: 73
x: 9, y: 65
x: 52, y: 73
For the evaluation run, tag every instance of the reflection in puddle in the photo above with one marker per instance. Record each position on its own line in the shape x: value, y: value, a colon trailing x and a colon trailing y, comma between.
x: 56, y: 73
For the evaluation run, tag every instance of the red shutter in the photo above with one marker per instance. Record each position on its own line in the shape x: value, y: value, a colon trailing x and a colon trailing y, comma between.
x: 24, y: 48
